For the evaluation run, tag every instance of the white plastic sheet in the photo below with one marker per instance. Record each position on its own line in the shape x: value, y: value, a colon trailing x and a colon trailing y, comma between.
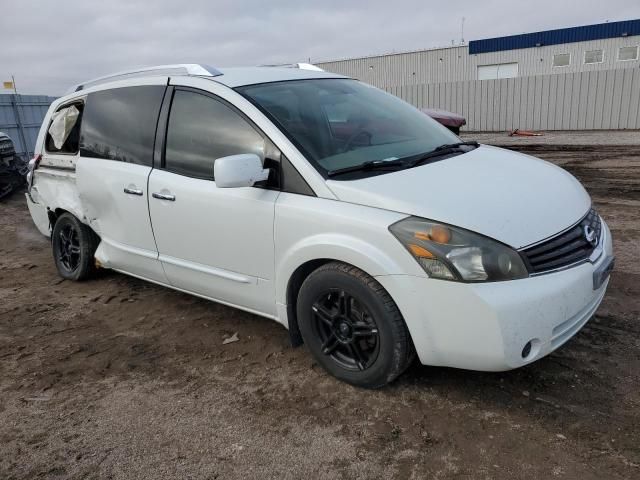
x: 63, y: 122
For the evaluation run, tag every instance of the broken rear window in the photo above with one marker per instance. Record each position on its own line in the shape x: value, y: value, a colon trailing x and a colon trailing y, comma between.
x: 63, y: 135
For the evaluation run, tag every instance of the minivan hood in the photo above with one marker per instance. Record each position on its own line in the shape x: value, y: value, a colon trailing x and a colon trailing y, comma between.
x: 511, y: 197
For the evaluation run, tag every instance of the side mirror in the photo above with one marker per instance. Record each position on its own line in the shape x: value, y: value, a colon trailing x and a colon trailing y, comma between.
x: 242, y: 170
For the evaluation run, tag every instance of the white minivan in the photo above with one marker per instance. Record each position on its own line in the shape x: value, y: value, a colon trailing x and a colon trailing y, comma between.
x: 363, y: 226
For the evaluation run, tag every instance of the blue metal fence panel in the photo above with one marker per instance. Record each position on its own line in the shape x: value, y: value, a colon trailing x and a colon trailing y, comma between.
x: 20, y: 118
x: 556, y: 37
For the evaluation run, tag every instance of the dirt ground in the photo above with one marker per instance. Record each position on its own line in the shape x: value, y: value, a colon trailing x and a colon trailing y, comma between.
x: 118, y: 378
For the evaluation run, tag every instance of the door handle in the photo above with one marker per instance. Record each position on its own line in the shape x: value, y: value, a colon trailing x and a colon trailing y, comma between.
x: 133, y: 191
x: 164, y: 196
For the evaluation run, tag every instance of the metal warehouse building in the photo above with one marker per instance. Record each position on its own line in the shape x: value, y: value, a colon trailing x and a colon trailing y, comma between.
x: 498, y: 83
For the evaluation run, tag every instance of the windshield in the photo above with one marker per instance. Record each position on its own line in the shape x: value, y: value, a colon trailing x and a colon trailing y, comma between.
x: 339, y: 123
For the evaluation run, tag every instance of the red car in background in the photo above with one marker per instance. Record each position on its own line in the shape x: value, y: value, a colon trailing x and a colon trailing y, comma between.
x: 350, y: 131
x: 451, y: 120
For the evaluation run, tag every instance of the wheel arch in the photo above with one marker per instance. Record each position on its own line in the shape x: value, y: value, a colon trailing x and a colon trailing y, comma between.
x: 56, y: 213
x: 304, y: 258
x: 296, y: 280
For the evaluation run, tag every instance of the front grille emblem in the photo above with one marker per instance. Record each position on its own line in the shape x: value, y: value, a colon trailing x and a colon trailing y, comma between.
x: 569, y: 247
x: 590, y: 235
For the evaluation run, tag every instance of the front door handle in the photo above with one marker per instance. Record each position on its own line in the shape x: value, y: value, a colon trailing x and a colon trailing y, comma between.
x: 133, y: 191
x: 164, y: 196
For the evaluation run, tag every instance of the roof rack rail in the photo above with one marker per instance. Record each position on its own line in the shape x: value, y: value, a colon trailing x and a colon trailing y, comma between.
x: 301, y: 66
x: 177, y: 69
x: 308, y: 66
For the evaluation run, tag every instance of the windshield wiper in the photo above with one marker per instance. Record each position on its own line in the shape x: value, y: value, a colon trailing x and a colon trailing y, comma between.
x: 471, y: 143
x: 443, y: 150
x: 400, y: 164
x: 370, y: 165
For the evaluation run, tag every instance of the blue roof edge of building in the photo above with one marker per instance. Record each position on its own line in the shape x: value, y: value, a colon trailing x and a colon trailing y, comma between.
x: 556, y: 37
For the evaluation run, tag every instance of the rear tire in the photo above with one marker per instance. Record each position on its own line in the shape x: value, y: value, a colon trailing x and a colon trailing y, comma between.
x: 74, y: 245
x: 352, y: 326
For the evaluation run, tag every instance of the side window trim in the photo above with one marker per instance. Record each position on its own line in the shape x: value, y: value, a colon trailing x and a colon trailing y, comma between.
x: 160, y: 141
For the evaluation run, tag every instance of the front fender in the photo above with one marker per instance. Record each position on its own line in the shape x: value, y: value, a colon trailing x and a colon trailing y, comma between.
x: 343, y: 248
x: 311, y: 228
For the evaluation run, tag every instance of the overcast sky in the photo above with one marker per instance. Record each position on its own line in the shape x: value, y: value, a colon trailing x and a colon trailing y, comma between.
x: 50, y: 45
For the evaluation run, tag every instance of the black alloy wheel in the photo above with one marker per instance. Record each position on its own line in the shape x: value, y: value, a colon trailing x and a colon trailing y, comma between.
x: 352, y: 326
x: 69, y: 248
x: 348, y: 332
x: 74, y: 245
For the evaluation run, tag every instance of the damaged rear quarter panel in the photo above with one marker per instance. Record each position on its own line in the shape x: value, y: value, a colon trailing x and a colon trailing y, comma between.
x: 56, y: 190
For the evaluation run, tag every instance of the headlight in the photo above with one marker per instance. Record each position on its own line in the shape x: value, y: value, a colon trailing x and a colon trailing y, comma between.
x: 452, y: 253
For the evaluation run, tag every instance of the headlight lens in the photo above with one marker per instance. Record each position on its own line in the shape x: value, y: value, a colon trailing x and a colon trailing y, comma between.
x: 452, y: 253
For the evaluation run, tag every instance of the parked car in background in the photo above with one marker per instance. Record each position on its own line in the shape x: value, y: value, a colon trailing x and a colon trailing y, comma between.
x: 12, y: 168
x: 452, y: 121
x: 326, y: 204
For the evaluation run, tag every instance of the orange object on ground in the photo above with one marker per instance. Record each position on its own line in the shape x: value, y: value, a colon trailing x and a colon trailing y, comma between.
x: 525, y: 133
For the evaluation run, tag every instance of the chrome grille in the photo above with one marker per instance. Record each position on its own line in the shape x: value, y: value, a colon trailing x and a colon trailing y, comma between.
x: 567, y: 248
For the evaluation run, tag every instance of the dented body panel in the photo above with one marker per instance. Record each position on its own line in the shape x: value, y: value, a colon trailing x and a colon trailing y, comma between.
x: 121, y: 219
x: 54, y: 190
x: 39, y: 216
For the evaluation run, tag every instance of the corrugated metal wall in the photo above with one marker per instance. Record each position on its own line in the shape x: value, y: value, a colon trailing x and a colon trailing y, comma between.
x: 608, y: 99
x: 20, y: 118
x: 406, y: 68
x: 454, y: 64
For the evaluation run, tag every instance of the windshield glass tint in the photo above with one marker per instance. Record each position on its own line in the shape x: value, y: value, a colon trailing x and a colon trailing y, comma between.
x: 341, y: 123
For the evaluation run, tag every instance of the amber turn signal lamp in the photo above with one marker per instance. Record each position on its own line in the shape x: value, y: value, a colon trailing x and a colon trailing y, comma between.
x: 421, y: 252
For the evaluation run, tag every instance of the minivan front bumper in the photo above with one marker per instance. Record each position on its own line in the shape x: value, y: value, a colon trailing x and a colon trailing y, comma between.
x: 501, y: 325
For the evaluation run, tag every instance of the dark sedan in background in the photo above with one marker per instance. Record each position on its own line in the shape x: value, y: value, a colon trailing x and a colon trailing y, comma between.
x: 12, y: 168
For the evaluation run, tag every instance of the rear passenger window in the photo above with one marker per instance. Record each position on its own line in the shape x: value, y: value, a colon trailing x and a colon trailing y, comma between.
x: 202, y: 129
x: 63, y: 134
x: 120, y: 124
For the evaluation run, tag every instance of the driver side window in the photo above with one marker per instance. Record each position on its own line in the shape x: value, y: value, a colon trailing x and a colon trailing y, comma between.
x: 202, y: 129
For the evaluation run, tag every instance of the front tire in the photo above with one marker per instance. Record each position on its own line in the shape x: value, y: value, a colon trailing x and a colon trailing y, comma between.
x: 74, y: 245
x: 352, y: 326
